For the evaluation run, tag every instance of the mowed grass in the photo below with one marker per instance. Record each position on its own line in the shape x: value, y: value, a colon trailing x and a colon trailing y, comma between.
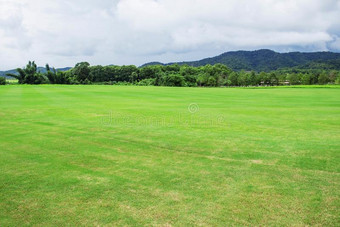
x: 110, y: 155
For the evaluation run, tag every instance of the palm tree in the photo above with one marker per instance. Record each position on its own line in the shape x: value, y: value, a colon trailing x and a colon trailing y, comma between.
x: 51, y: 74
x: 28, y: 75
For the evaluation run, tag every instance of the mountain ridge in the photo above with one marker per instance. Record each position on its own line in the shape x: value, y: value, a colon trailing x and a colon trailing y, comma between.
x: 264, y: 60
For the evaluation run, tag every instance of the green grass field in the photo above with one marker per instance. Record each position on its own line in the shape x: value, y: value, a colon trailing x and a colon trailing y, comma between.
x: 111, y: 155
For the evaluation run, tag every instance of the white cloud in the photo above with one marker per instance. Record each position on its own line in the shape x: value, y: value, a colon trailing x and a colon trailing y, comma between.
x: 63, y: 32
x: 335, y: 44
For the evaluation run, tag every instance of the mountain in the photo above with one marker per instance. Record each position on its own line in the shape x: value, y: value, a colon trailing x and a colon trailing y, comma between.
x: 3, y: 73
x: 267, y: 60
x: 155, y: 63
x: 40, y: 69
x: 259, y: 60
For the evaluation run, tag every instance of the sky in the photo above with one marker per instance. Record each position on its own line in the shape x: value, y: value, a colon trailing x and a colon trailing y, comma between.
x: 123, y: 32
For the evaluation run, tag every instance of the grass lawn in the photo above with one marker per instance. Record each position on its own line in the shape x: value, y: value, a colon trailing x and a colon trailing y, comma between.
x: 111, y: 155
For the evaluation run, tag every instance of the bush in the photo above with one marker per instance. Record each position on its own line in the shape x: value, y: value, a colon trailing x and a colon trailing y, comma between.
x: 146, y: 82
x: 123, y: 83
x: 293, y: 79
x: 86, y: 81
x: 211, y: 82
x: 108, y: 83
x: 323, y: 79
x: 173, y: 80
x: 337, y: 81
x: 2, y: 80
x: 190, y: 81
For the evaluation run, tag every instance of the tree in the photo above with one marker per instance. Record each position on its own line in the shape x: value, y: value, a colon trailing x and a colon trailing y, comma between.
x: 173, y: 80
x: 252, y: 79
x: 186, y: 70
x: 147, y: 82
x: 70, y: 77
x: 282, y: 77
x: 126, y: 73
x: 332, y: 76
x: 323, y: 78
x: 273, y: 79
x: 29, y: 74
x: 233, y: 78
x: 293, y: 78
x: 150, y: 71
x: 190, y: 81
x: 2, y: 80
x: 81, y: 72
x: 62, y: 78
x: 189, y: 73
x: 243, y: 79
x: 56, y: 77
x: 202, y: 79
x: 51, y: 75
x: 314, y: 78
x: 174, y: 68
x: 337, y: 81
x: 265, y: 78
x: 220, y: 72
x: 306, y: 79
x: 111, y: 73
x: 134, y: 77
x: 211, y: 81
x: 98, y: 73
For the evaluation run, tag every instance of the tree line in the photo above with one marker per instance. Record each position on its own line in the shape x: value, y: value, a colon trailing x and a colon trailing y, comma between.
x: 172, y: 75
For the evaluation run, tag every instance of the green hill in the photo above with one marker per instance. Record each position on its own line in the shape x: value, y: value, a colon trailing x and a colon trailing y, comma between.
x: 267, y: 60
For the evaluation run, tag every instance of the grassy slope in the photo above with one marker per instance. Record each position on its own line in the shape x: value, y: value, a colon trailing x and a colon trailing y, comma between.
x: 95, y: 155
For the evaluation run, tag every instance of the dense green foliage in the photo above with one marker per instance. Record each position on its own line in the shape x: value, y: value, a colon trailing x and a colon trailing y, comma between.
x: 42, y: 70
x: 174, y: 75
x: 260, y: 60
x: 2, y: 80
x: 29, y: 75
x: 136, y: 156
x: 268, y: 60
